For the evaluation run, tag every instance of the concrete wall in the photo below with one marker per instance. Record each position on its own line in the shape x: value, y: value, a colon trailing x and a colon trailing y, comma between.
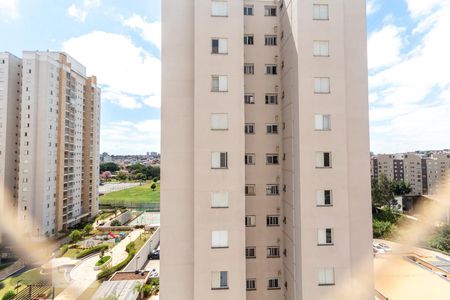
x: 142, y: 256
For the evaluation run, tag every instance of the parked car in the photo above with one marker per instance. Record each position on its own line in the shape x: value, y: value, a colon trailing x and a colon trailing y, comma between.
x: 385, y: 247
x: 377, y: 248
x: 154, y: 254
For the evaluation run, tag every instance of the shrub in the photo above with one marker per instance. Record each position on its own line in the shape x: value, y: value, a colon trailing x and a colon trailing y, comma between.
x: 91, y: 250
x: 63, y: 250
x: 116, y: 223
x: 76, y: 235
x: 155, y: 179
x: 88, y: 228
x: 9, y: 295
x: 130, y: 248
x: 102, y: 260
x: 153, y: 186
x: 382, y: 229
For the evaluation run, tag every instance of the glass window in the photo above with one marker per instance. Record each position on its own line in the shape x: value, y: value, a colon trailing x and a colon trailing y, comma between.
x: 248, y: 10
x: 322, y: 85
x: 219, y: 280
x: 326, y: 276
x: 248, y: 39
x: 270, y: 40
x: 270, y: 11
x: 219, y: 8
x: 249, y: 98
x: 219, y: 239
x: 219, y: 199
x: 219, y: 46
x: 321, y: 48
x: 219, y: 121
x: 320, y: 12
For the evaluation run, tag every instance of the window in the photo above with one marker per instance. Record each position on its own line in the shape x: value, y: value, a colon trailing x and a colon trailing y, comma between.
x: 272, y: 190
x: 219, y: 121
x: 321, y: 48
x: 249, y: 69
x: 272, y: 159
x: 322, y: 122
x: 250, y: 221
x: 273, y: 284
x: 326, y: 276
x: 322, y: 85
x: 324, y: 198
x: 248, y: 10
x: 251, y: 284
x: 272, y: 220
x: 219, y: 46
x: 323, y: 160
x: 250, y: 158
x: 219, y: 160
x: 248, y: 39
x: 250, y: 252
x: 271, y: 69
x: 270, y: 11
x: 250, y: 190
x: 219, y: 239
x: 219, y: 199
x: 272, y: 128
x: 325, y: 237
x: 271, y: 99
x: 219, y: 280
x: 219, y: 83
x: 219, y: 8
x: 270, y: 40
x: 320, y: 12
x: 273, y: 251
x: 249, y: 128
x: 249, y: 98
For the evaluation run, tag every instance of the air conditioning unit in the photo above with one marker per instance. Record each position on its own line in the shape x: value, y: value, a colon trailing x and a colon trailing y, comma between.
x: 276, y: 88
x: 275, y: 29
x: 276, y: 58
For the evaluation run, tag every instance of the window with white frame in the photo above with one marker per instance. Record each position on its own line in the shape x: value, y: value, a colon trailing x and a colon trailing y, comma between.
x: 272, y: 128
x: 248, y: 10
x: 273, y: 283
x: 219, y: 83
x: 251, y: 284
x: 219, y: 280
x: 219, y: 199
x: 219, y: 239
x: 273, y: 251
x: 270, y: 40
x: 250, y: 158
x: 273, y: 220
x: 219, y: 46
x: 326, y: 276
x: 321, y: 12
x: 271, y: 69
x: 219, y: 121
x: 323, y: 159
x: 271, y: 98
x: 249, y: 98
x: 325, y: 237
x: 249, y: 69
x: 248, y: 39
x: 250, y: 221
x: 219, y: 160
x: 272, y: 159
x: 272, y: 189
x: 322, y: 122
x: 270, y: 11
x: 322, y: 85
x: 250, y: 252
x: 250, y: 190
x: 249, y: 128
x: 324, y: 198
x: 219, y: 8
x: 321, y: 48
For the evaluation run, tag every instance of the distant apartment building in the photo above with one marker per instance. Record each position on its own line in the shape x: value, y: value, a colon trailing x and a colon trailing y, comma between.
x: 57, y: 123
x: 427, y: 173
x: 265, y: 151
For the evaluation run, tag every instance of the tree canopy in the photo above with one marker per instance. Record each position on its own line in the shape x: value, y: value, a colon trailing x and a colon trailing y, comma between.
x: 385, y: 190
x: 109, y: 166
x: 149, y: 171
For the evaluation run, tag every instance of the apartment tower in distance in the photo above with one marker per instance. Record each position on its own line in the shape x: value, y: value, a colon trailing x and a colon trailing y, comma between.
x: 265, y: 151
x: 56, y: 121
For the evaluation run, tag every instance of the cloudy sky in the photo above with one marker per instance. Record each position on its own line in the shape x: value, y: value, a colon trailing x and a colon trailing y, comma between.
x: 120, y: 42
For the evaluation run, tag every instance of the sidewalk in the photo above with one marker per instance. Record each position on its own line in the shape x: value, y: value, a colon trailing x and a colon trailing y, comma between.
x: 84, y: 275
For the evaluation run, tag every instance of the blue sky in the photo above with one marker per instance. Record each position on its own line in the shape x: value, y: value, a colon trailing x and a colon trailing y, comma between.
x: 119, y: 41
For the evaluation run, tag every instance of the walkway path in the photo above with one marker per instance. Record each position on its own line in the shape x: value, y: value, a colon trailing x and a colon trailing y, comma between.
x: 84, y: 275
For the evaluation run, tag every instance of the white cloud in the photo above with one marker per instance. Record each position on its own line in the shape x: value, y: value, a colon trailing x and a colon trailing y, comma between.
x: 385, y: 46
x: 372, y: 7
x: 80, y: 12
x: 125, y: 137
x: 126, y: 72
x: 8, y: 9
x: 149, y: 31
x: 411, y: 98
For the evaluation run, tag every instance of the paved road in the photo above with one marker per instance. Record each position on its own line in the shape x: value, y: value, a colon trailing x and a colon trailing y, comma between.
x: 84, y: 275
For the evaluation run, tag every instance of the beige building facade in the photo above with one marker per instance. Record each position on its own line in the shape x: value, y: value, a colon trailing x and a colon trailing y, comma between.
x: 265, y: 149
x: 57, y: 121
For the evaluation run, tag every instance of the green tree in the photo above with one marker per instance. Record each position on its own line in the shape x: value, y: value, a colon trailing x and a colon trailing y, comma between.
x: 76, y: 235
x: 140, y: 177
x: 116, y: 223
x: 401, y: 188
x: 9, y: 295
x: 153, y: 187
x: 441, y: 240
x: 121, y: 176
x: 88, y: 228
x: 109, y: 166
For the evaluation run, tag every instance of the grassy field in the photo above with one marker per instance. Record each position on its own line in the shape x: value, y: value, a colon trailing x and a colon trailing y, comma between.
x: 28, y: 277
x: 138, y: 194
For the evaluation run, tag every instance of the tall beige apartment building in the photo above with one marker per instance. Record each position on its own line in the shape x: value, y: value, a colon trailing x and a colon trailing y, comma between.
x: 55, y: 119
x: 265, y: 151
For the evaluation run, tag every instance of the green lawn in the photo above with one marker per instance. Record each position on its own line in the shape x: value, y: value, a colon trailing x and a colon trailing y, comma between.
x: 29, y: 277
x: 139, y: 194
